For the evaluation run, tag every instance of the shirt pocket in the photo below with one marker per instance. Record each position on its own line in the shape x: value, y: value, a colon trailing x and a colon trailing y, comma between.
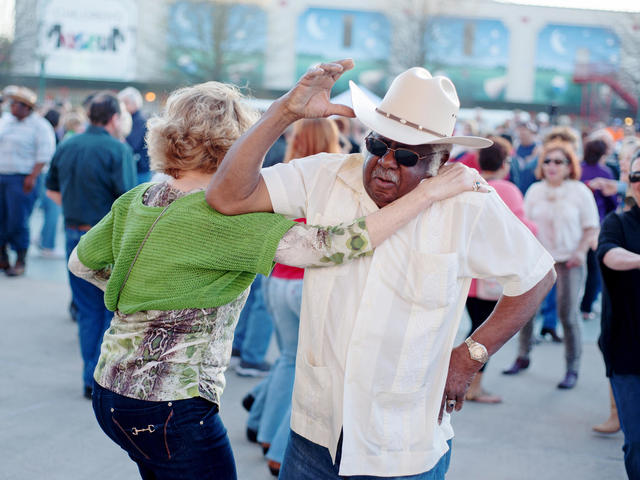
x: 398, y: 421
x: 431, y: 279
x: 312, y: 391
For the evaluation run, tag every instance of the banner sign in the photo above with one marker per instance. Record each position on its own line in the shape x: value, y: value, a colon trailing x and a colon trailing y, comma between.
x: 89, y: 39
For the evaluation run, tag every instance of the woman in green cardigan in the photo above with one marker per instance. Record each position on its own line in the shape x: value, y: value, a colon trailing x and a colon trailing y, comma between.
x: 176, y: 274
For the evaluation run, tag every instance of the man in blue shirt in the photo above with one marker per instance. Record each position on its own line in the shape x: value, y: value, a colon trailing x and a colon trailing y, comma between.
x: 88, y: 172
x: 525, y: 159
x: 132, y: 100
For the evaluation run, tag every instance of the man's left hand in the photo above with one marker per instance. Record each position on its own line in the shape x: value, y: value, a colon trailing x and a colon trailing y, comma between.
x: 29, y: 183
x: 462, y: 368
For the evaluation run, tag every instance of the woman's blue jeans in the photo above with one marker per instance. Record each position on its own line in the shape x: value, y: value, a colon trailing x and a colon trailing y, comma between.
x: 253, y: 331
x: 283, y: 299
x: 177, y: 440
x: 305, y: 460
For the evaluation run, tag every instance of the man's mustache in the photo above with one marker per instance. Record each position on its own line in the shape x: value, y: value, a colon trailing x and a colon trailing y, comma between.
x: 385, y: 174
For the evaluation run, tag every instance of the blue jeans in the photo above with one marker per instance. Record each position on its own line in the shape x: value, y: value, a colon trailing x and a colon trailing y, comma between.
x: 626, y: 391
x: 92, y: 316
x: 182, y: 439
x: 51, y: 212
x: 15, y: 210
x: 548, y: 309
x: 305, y: 460
x: 284, y: 299
x: 253, y: 332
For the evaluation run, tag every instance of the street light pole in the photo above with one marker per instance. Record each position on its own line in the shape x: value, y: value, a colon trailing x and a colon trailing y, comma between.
x: 42, y: 80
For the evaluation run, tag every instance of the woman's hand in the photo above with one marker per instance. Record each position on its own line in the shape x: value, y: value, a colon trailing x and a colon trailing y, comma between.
x: 453, y: 179
x: 607, y: 186
x: 310, y: 97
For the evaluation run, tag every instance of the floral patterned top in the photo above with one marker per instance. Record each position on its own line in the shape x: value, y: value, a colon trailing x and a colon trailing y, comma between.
x: 173, y: 355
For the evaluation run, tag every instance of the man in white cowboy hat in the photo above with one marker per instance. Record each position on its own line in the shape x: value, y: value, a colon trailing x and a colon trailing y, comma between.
x: 377, y: 376
x: 27, y: 143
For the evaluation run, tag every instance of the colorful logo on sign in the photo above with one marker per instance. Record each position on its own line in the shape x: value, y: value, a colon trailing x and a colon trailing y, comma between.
x: 85, y: 41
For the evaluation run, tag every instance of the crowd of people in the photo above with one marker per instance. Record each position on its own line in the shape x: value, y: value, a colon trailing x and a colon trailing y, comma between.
x: 383, y: 222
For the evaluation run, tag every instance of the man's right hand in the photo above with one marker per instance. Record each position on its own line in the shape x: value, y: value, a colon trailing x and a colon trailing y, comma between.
x: 311, y: 96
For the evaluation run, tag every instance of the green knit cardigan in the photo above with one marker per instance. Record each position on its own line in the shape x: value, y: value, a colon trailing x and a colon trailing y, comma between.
x: 194, y: 257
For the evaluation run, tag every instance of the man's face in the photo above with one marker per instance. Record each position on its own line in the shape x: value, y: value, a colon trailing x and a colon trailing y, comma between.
x: 20, y: 110
x: 526, y: 136
x: 385, y: 179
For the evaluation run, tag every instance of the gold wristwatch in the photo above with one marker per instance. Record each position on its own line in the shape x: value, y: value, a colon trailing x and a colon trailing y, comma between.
x: 477, y: 351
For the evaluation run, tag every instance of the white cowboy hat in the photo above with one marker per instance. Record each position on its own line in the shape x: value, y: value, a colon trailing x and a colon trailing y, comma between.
x: 21, y: 94
x: 418, y: 109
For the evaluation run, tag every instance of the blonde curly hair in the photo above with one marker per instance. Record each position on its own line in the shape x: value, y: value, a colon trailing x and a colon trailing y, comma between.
x: 199, y: 124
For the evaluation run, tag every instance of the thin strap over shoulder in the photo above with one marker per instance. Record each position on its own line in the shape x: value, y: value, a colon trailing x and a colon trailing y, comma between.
x: 164, y: 210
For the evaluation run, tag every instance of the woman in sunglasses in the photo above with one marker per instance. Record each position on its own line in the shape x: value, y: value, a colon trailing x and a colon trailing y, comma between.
x: 619, y: 256
x: 567, y: 217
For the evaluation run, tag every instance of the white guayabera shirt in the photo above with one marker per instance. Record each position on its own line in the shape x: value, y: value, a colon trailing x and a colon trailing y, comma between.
x: 376, y: 334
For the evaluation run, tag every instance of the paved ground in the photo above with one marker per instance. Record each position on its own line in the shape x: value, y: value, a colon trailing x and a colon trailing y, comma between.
x: 47, y: 430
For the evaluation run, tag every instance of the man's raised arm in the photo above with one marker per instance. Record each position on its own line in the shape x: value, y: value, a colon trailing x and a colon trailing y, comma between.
x: 237, y: 186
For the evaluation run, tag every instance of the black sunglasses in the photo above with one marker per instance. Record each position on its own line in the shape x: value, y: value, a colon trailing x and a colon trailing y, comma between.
x: 634, y: 177
x: 557, y: 161
x: 403, y: 156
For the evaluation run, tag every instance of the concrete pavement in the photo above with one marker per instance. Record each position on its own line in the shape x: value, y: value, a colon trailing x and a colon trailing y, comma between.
x: 47, y: 430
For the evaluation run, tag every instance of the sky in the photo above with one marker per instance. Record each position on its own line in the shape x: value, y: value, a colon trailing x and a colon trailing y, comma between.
x: 615, y: 5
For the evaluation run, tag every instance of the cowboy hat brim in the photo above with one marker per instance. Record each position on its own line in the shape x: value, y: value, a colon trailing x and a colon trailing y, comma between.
x: 365, y: 111
x: 21, y: 99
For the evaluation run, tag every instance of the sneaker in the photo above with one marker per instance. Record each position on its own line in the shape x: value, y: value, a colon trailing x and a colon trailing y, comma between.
x: 247, y: 369
x: 247, y: 402
x: 51, y: 254
x: 569, y: 380
x: 521, y: 363
x: 17, y: 270
x: 235, y: 357
x: 252, y: 435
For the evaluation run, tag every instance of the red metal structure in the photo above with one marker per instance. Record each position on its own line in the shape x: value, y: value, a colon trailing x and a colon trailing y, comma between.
x: 590, y: 76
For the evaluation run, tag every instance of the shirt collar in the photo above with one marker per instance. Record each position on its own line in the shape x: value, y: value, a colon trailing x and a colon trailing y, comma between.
x: 95, y: 129
x: 351, y: 174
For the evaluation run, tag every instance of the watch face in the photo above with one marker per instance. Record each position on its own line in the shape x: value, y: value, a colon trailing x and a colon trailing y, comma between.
x: 476, y: 352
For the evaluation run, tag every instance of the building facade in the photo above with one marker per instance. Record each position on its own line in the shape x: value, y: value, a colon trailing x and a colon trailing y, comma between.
x: 497, y: 54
